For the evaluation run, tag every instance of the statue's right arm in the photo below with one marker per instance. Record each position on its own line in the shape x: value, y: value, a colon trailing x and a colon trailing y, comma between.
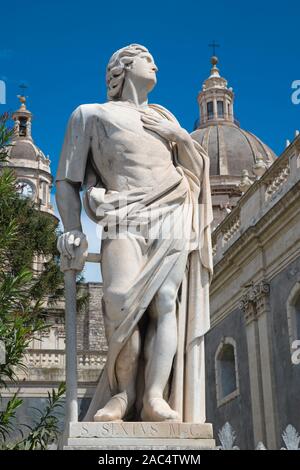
x: 72, y: 244
x: 69, y: 204
x: 69, y: 179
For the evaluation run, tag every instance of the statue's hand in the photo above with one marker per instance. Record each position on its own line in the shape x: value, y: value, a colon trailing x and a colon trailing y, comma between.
x: 73, y: 247
x: 169, y: 130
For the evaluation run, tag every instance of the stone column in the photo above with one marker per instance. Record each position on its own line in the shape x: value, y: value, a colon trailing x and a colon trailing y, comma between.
x: 203, y: 112
x: 231, y: 112
x: 47, y: 202
x: 28, y: 127
x: 225, y: 109
x: 17, y: 126
x: 254, y: 373
x: 256, y: 307
x: 215, y: 109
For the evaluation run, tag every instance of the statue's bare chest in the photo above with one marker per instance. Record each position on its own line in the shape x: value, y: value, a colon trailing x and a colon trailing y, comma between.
x: 124, y: 150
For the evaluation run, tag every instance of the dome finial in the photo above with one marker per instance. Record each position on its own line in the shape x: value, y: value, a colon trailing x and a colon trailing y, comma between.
x: 214, y: 60
x: 22, y: 97
x: 22, y: 100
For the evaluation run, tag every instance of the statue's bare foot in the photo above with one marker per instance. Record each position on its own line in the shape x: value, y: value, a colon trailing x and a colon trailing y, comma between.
x: 157, y: 409
x: 114, y: 410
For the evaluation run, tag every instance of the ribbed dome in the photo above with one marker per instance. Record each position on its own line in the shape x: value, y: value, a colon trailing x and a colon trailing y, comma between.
x: 24, y: 149
x: 231, y: 149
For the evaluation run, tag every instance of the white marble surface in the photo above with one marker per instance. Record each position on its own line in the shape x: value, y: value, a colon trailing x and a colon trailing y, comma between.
x: 146, y: 171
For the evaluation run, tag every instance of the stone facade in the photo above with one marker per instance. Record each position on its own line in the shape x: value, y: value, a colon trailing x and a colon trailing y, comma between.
x: 90, y: 327
x: 256, y: 267
x: 236, y: 404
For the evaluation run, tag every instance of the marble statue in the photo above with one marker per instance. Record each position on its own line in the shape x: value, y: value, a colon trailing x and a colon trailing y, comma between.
x: 146, y: 182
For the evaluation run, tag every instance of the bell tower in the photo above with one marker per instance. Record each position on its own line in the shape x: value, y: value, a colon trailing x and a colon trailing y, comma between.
x: 22, y: 120
x: 215, y: 99
x: 30, y: 164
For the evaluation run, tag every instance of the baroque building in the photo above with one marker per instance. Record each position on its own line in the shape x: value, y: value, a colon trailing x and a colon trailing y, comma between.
x: 252, y: 366
x: 252, y: 349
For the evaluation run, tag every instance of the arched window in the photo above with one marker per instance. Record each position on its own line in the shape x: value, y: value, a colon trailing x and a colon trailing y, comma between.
x: 220, y: 108
x: 293, y: 313
x: 43, y: 193
x: 23, y: 127
x: 226, y: 371
x: 210, y: 110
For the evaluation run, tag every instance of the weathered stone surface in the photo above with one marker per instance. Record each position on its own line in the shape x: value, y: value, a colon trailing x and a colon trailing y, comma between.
x: 209, y: 445
x: 140, y: 435
x: 141, y: 444
x: 139, y: 171
x: 139, y: 430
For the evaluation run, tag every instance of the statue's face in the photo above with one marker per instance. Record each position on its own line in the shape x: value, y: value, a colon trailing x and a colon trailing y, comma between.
x: 143, y: 71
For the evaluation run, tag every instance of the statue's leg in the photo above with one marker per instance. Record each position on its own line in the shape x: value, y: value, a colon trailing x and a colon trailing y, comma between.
x: 122, y: 260
x: 160, y: 347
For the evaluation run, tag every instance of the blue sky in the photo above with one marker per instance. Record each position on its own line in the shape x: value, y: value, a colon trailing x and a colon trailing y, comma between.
x: 61, y: 48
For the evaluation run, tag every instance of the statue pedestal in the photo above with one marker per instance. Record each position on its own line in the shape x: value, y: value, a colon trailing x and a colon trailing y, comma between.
x: 139, y: 435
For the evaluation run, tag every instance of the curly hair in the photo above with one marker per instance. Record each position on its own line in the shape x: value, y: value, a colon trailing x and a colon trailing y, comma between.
x: 115, y: 70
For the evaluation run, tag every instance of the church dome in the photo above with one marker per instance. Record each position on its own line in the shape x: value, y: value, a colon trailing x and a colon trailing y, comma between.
x: 24, y: 149
x: 231, y: 149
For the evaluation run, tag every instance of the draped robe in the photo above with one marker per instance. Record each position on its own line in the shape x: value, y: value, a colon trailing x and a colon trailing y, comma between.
x: 179, y: 210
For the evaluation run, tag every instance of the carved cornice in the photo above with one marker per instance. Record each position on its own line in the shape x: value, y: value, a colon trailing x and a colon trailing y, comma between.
x: 255, y: 301
x: 254, y: 231
x: 275, y: 183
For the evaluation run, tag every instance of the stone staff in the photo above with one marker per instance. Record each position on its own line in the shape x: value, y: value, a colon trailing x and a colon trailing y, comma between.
x: 70, y: 266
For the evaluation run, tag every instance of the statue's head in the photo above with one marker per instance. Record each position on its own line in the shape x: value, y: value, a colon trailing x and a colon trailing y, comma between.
x: 132, y: 62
